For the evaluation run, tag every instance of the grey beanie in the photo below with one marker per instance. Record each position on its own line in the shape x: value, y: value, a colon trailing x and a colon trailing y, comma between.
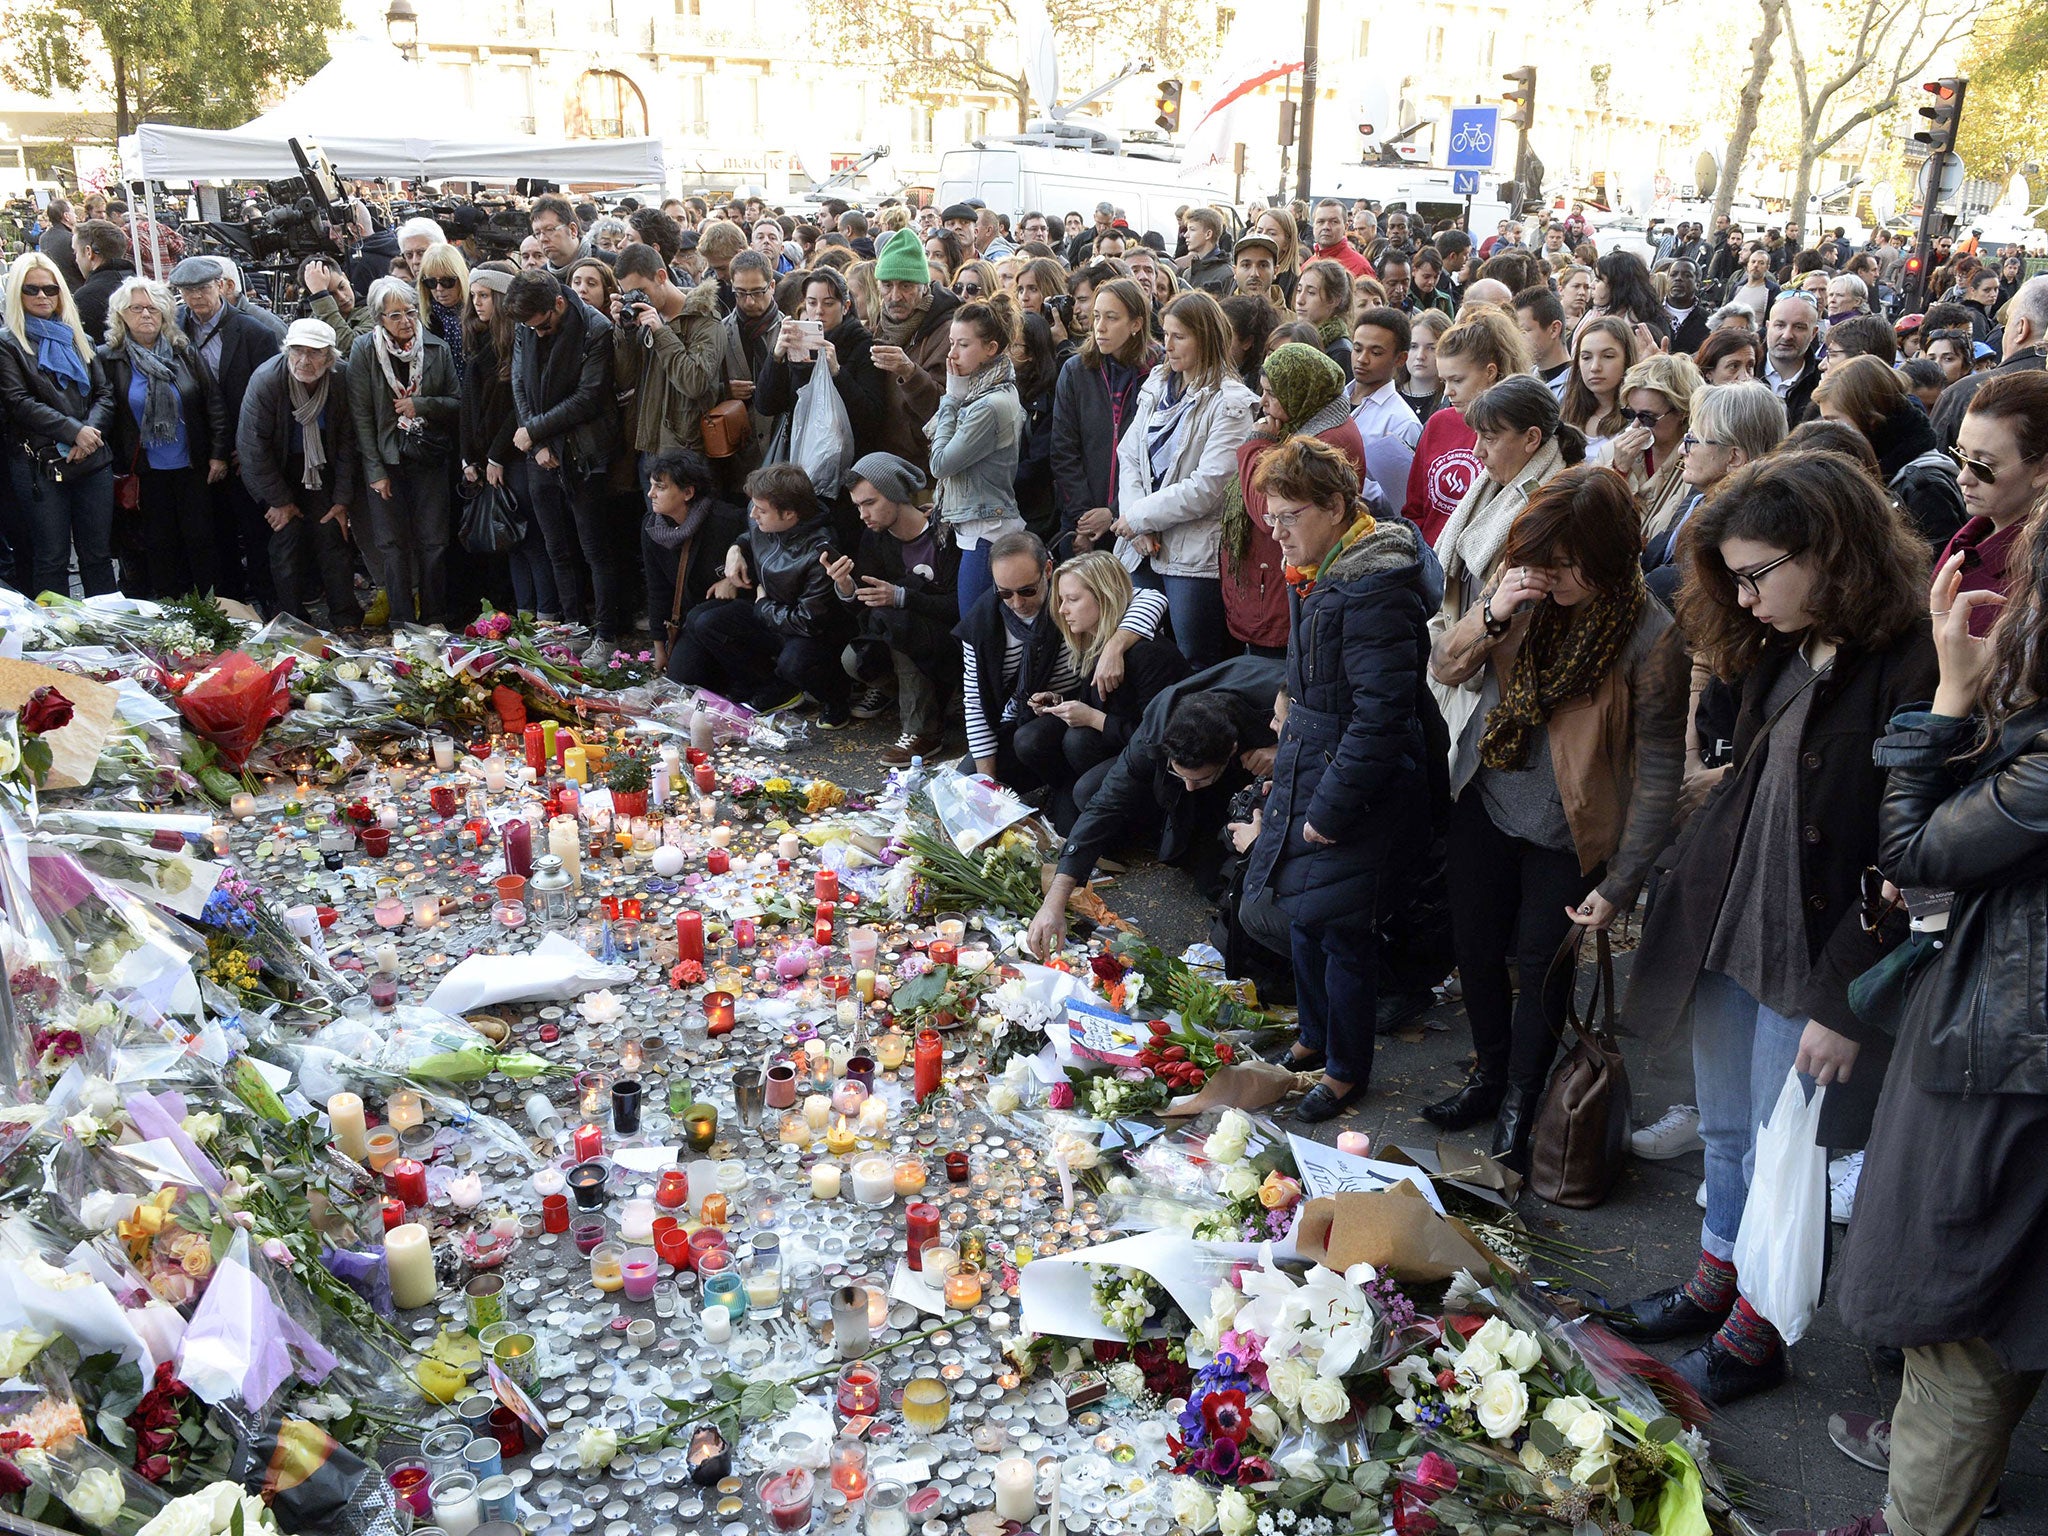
x: 896, y: 478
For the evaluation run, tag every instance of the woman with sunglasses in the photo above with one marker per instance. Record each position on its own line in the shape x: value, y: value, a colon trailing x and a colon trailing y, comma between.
x: 1565, y: 777
x: 1656, y: 404
x: 2002, y: 453
x: 59, y: 409
x: 974, y: 280
x: 444, y: 299
x: 1805, y: 591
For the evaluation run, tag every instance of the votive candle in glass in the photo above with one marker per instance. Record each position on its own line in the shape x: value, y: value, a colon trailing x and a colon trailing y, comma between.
x: 963, y: 1287
x: 605, y: 1266
x: 908, y: 1176
x: 639, y: 1270
x: 874, y: 1180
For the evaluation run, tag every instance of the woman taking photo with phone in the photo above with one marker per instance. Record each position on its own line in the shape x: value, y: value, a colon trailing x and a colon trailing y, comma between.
x: 1564, y: 777
x: 1806, y: 592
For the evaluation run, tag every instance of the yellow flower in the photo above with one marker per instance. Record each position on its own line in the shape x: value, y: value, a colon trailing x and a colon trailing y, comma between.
x: 777, y: 786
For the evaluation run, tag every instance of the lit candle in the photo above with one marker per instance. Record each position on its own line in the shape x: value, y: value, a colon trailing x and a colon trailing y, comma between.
x: 721, y: 837
x: 825, y: 1181
x: 345, y: 1119
x: 717, y: 1324
x: 874, y: 1116
x: 494, y: 774
x: 410, y: 1256
x: 874, y: 1181
x: 242, y: 806
x: 217, y: 835
x: 576, y: 765
x: 909, y: 1175
x: 1357, y: 1143
x: 963, y: 1288
x: 402, y: 1110
x: 387, y: 816
x: 444, y: 752
x: 839, y: 1140
x: 890, y: 1048
x: 864, y: 985
x: 427, y: 911
x: 795, y: 1132
x: 817, y: 1111
x: 566, y: 844
x: 1017, y: 1489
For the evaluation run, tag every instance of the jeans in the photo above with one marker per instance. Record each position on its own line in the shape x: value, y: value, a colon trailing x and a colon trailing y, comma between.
x: 1200, y: 627
x: 975, y: 578
x: 1741, y: 1051
x: 1059, y: 754
x: 78, y: 512
x: 306, y: 538
x: 1336, y: 994
x: 574, y: 515
x: 1508, y: 894
x: 727, y: 646
x: 411, y: 530
x: 533, y: 577
x: 177, y: 534
x: 1951, y: 1431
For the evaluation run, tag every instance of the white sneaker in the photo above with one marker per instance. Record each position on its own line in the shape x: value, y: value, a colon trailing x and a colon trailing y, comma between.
x: 1844, y: 1174
x: 599, y: 654
x: 1700, y: 1197
x: 1676, y: 1134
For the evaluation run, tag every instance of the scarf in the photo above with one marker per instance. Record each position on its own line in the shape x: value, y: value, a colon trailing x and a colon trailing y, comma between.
x: 160, y: 418
x: 1565, y: 653
x: 1000, y: 374
x: 57, y: 353
x: 448, y: 326
x: 1472, y: 540
x: 1237, y: 519
x: 1162, y: 432
x: 900, y: 333
x: 1333, y: 330
x: 1304, y: 582
x: 412, y: 356
x: 308, y: 405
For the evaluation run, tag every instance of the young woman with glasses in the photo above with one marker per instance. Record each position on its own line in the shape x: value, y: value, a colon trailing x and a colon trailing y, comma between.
x: 1806, y: 591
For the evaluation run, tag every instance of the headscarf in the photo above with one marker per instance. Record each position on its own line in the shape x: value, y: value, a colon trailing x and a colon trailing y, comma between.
x: 57, y: 352
x: 309, y: 402
x: 1304, y: 380
x: 160, y: 413
x: 1565, y: 653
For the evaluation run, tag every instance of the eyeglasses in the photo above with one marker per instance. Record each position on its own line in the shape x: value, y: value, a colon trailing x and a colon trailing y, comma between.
x: 968, y: 290
x: 442, y: 282
x: 1278, y: 520
x: 1689, y: 442
x: 744, y: 294
x: 1751, y: 581
x: 1977, y: 467
x: 42, y: 290
x: 1647, y: 419
x: 1011, y: 594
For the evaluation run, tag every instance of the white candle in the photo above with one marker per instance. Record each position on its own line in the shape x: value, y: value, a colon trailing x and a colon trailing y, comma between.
x: 494, y: 774
x: 444, y: 752
x: 817, y: 1111
x: 242, y: 806
x: 387, y: 816
x: 345, y: 1120
x: 458, y: 1513
x: 565, y: 844
x: 387, y: 959
x: 1017, y: 1489
x: 657, y: 786
x: 636, y: 1223
x: 717, y: 1324
x: 218, y: 836
x: 721, y: 837
x: 398, y: 779
x: 825, y: 1181
x: 874, y: 1181
x: 874, y: 1115
x: 786, y: 845
x: 466, y: 1191
x: 410, y: 1256
x: 548, y: 1181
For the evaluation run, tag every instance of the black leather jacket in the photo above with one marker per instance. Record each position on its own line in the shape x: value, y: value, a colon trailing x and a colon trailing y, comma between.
x: 1978, y: 826
x: 41, y: 409
x: 797, y: 596
x: 562, y: 391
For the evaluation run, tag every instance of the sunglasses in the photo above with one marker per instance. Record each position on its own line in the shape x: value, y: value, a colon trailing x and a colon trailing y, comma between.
x: 1977, y: 467
x: 1751, y: 581
x: 1646, y: 418
x: 42, y: 290
x: 968, y: 290
x: 444, y: 282
x: 1009, y: 594
x: 1876, y: 906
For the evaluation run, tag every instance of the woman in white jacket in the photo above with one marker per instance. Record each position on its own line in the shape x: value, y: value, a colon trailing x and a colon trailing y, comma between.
x: 1175, y: 463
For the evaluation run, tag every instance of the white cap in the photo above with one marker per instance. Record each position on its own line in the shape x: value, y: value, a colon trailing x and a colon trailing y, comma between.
x: 311, y: 333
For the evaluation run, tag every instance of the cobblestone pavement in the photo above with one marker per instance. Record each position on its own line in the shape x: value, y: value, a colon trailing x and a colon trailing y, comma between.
x: 1646, y: 1236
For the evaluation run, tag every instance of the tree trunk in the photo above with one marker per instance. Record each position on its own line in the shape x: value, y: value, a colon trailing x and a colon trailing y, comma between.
x: 123, y: 123
x: 1751, y: 103
x: 1023, y: 107
x: 1802, y: 188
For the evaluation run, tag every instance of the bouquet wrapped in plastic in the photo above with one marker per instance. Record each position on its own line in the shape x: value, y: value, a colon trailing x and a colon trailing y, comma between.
x: 233, y: 701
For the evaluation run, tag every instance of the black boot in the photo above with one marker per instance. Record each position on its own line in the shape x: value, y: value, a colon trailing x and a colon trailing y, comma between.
x: 1476, y: 1101
x: 1667, y: 1314
x: 1721, y: 1376
x: 1517, y: 1123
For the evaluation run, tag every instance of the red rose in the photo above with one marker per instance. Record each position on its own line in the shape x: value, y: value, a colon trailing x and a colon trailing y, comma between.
x: 1435, y: 1475
x: 1107, y: 967
x: 47, y: 710
x: 155, y: 1469
x: 11, y: 1480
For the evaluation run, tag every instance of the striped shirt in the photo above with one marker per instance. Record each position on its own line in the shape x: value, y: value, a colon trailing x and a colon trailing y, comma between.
x: 1143, y: 618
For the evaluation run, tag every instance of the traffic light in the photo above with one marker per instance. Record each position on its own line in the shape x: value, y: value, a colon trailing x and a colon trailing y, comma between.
x: 1167, y: 104
x: 1521, y: 98
x: 1945, y: 115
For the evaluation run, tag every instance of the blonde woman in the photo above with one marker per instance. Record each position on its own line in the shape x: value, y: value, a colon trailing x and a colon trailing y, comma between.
x: 444, y: 297
x: 867, y: 293
x: 975, y: 280
x: 1176, y: 462
x: 59, y: 410
x: 171, y: 431
x: 1656, y: 403
x: 1278, y: 225
x: 1071, y: 740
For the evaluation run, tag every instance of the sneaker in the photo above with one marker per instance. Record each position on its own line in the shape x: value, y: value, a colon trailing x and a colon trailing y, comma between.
x: 1676, y: 1134
x: 1844, y: 1174
x: 1864, y: 1438
x: 872, y: 703
x: 779, y: 696
x: 908, y: 746
x: 1699, y: 1197
x: 834, y: 717
x: 600, y: 652
x: 1862, y: 1525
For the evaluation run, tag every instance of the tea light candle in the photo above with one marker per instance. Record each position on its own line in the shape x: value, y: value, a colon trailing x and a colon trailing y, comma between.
x: 427, y: 911
x: 345, y: 1120
x: 874, y: 1116
x: 410, y: 1256
x: 402, y: 1110
x: 717, y: 1324
x: 387, y: 816
x: 825, y: 1181
x: 840, y: 1139
x: 817, y: 1111
x: 874, y: 1181
x: 890, y: 1049
x: 908, y: 1176
x: 1017, y: 1489
x: 795, y: 1132
x: 242, y: 806
x: 1357, y: 1143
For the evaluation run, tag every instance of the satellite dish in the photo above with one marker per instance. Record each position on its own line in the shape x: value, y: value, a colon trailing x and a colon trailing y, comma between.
x: 1642, y: 191
x: 1884, y: 202
x: 814, y: 156
x: 1706, y: 173
x: 1040, y: 55
x: 2018, y: 194
x: 1375, y: 112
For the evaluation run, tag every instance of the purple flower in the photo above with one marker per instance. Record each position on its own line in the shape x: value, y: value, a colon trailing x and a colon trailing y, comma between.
x: 1219, y: 1459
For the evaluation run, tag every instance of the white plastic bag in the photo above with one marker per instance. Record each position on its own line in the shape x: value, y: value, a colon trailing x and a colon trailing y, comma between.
x: 821, y: 433
x: 1780, y: 1246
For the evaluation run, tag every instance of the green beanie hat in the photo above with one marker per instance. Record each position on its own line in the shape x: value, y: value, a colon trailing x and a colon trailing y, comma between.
x: 902, y: 259
x: 1303, y: 380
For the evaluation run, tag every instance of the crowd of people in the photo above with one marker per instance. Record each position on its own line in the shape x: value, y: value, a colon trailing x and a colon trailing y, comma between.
x: 1429, y: 603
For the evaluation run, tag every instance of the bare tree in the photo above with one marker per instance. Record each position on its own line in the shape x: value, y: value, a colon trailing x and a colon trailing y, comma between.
x: 1881, y: 45
x: 1761, y: 47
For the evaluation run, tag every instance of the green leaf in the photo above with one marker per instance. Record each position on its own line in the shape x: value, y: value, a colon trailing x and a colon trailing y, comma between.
x: 1341, y: 1498
x: 1625, y: 1509
x: 218, y: 1243
x: 1547, y: 1438
x: 1662, y: 1431
x: 761, y: 1400
x: 35, y: 1501
x: 1371, y: 1478
x: 114, y: 1429
x: 1379, y: 1419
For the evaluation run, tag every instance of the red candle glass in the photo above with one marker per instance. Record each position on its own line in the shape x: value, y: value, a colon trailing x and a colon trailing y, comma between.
x: 702, y: 1241
x: 673, y: 1247
x: 410, y: 1481
x: 442, y: 798
x: 744, y: 932
x: 690, y: 936
x: 944, y: 952
x: 930, y: 1059
x: 860, y: 1390
x: 695, y: 755
x: 825, y: 885
x: 554, y: 1213
x: 673, y: 1190
x: 707, y: 779
x: 376, y: 841
x: 518, y: 841
x: 957, y: 1167
x: 536, y: 749
x: 393, y: 1212
x: 718, y: 861
x: 588, y: 1142
x: 506, y: 1431
x: 821, y: 932
x: 406, y: 1179
x: 921, y: 1222
x: 720, y: 1013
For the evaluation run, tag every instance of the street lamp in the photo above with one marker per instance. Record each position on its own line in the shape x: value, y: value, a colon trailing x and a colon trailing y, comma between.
x: 402, y: 25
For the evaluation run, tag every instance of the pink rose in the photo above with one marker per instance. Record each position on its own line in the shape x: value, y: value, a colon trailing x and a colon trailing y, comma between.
x: 1061, y: 1096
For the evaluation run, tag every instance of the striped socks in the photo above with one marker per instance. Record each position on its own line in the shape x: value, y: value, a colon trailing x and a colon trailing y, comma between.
x: 1748, y: 1337
x: 1712, y: 1286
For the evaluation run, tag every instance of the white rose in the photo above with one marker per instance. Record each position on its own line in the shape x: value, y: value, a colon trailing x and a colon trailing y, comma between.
x: 1227, y: 1143
x: 1591, y: 1464
x: 1241, y: 1182
x: 1588, y: 1432
x: 1410, y: 1376
x: 1286, y: 1380
x: 189, y: 1516
x: 597, y: 1447
x: 1522, y: 1351
x: 97, y: 1496
x: 1501, y: 1404
x: 1017, y: 1071
x: 225, y: 1497
x: 104, y: 1209
x: 1266, y: 1424
x: 1002, y: 1100
x: 18, y: 1346
x: 1476, y: 1363
x: 1120, y: 1185
x: 1324, y: 1400
x: 202, y: 1126
x: 1233, y: 1513
x: 10, y: 754
x: 1492, y: 1336
x: 1224, y: 1303
x: 1193, y: 1506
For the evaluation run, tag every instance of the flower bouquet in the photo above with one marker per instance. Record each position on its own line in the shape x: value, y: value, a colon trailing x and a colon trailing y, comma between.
x: 232, y: 702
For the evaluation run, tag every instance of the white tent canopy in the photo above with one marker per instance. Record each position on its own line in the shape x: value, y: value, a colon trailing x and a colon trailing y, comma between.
x: 370, y: 82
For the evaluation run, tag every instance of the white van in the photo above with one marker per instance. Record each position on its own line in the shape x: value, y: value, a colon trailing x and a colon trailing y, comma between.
x: 1031, y: 175
x: 1414, y: 189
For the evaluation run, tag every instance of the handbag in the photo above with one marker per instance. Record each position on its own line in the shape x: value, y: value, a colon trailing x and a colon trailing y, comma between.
x: 675, y: 607
x: 1878, y: 996
x: 492, y: 523
x: 728, y: 426
x: 128, y: 487
x: 1580, y: 1142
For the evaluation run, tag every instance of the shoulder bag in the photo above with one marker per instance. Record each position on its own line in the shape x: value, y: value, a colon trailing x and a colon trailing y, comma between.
x: 675, y: 607
x: 1581, y: 1138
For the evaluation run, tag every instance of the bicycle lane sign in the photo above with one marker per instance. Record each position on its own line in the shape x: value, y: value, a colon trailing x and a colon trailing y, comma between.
x: 1473, y: 133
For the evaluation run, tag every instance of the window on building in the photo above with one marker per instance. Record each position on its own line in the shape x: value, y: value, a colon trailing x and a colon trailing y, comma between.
x: 689, y: 10
x: 920, y: 126
x: 1486, y: 55
x: 1435, y: 49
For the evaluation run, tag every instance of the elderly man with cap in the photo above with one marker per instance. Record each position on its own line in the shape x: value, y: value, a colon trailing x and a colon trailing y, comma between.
x: 296, y: 443
x: 233, y: 294
x: 900, y: 585
x: 234, y: 344
x: 910, y: 333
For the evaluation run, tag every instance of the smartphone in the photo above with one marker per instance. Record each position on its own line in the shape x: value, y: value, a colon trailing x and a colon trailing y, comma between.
x: 813, y: 333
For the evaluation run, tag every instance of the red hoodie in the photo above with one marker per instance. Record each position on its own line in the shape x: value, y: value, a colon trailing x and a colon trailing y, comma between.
x: 1345, y: 254
x: 1444, y: 469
